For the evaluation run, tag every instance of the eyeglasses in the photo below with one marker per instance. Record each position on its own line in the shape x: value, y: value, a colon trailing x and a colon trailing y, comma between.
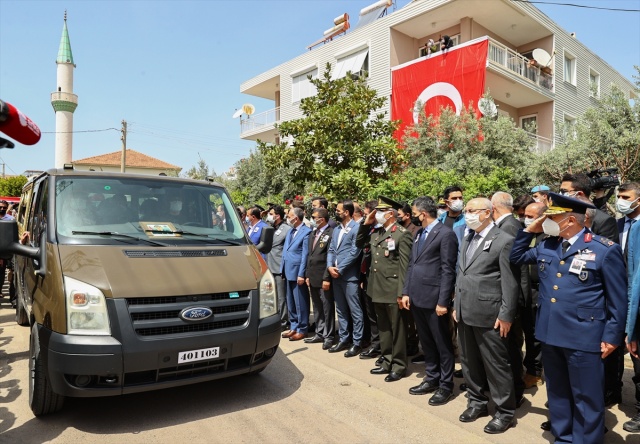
x: 477, y: 210
x: 4, y: 208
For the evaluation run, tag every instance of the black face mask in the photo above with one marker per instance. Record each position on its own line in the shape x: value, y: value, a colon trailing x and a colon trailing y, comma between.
x: 415, y: 220
x: 339, y: 217
x: 3, y: 212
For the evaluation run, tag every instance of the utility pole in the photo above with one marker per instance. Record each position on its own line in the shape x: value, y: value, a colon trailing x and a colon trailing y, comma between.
x: 123, y: 159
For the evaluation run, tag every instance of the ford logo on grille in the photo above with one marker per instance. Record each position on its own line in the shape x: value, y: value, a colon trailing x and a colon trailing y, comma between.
x: 196, y: 313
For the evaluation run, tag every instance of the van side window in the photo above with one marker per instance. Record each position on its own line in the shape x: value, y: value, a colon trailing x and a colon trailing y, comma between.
x: 25, y: 202
x: 38, y: 216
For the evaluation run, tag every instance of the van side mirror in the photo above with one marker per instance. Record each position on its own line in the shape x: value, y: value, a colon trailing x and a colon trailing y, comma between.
x: 266, y: 240
x: 9, y: 244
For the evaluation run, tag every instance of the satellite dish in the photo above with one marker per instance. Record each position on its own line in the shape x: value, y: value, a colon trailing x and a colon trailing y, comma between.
x: 541, y: 56
x: 487, y: 107
x: 248, y: 109
x: 238, y: 113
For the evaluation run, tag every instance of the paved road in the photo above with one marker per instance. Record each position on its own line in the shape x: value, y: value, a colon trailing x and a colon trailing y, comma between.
x: 305, y: 395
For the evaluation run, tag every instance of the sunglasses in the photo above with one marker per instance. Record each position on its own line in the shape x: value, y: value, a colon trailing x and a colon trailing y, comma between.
x: 4, y: 208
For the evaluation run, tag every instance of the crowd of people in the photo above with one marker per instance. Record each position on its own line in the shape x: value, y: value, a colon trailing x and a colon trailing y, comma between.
x: 522, y: 291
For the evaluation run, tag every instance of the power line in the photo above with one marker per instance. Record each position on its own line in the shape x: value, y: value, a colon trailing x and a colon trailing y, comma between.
x: 83, y: 131
x: 573, y: 5
x: 5, y: 164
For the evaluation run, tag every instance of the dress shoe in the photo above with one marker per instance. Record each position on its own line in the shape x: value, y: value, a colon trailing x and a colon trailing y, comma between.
x: 547, y: 426
x: 327, y: 344
x: 633, y: 425
x: 612, y: 398
x: 379, y: 361
x: 288, y: 333
x: 424, y: 388
x: 463, y: 387
x: 498, y: 425
x: 314, y: 340
x: 532, y: 381
x: 519, y: 401
x: 378, y: 371
x: 370, y: 353
x: 440, y: 397
x: 457, y: 374
x: 393, y: 377
x: 340, y: 346
x: 471, y: 414
x: 418, y: 359
x: 353, y: 351
x: 297, y: 336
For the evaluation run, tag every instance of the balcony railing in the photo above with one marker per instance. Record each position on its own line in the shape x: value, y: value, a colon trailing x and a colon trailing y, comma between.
x: 541, y: 145
x: 519, y: 65
x: 258, y: 121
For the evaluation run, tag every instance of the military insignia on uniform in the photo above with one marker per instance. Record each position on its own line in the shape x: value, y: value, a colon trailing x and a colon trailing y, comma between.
x: 605, y: 241
x: 487, y: 244
x: 610, y: 243
x: 325, y: 238
x: 386, y: 253
x: 322, y: 244
x: 588, y: 237
x: 583, y: 276
x: 541, y: 267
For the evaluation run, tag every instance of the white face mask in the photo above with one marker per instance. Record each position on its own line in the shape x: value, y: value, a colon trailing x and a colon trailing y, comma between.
x: 537, y: 200
x: 551, y: 227
x: 528, y: 221
x: 624, y: 206
x: 380, y: 218
x: 456, y: 205
x: 472, y: 220
x: 221, y: 214
x: 271, y: 219
x: 441, y: 212
x: 175, y: 206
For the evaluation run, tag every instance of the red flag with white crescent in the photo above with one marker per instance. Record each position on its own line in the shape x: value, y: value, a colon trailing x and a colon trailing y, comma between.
x: 451, y: 78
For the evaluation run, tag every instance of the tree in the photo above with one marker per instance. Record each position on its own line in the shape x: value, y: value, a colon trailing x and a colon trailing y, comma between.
x: 12, y: 186
x: 256, y: 183
x: 342, y: 146
x: 200, y: 171
x: 606, y: 136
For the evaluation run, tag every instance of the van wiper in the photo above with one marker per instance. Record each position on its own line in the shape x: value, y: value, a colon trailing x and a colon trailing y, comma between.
x: 113, y: 233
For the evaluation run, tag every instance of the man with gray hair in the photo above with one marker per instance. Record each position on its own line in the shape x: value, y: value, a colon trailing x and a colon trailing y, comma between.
x: 485, y: 303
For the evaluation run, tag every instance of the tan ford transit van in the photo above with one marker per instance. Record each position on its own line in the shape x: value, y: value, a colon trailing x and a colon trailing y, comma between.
x: 128, y: 285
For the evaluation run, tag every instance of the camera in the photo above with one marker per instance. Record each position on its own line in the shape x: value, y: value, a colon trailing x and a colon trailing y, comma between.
x: 604, y: 178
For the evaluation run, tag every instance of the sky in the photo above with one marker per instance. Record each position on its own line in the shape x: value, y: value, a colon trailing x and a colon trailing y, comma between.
x: 173, y: 69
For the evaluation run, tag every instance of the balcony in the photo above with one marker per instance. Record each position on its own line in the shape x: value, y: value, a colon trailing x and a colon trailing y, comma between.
x: 541, y: 144
x: 260, y: 126
x: 519, y: 65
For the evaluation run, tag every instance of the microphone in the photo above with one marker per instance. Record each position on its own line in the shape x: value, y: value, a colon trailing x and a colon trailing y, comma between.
x: 18, y: 126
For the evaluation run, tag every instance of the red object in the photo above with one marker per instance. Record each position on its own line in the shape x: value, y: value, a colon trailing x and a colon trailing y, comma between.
x: 588, y: 237
x: 454, y: 77
x: 18, y: 126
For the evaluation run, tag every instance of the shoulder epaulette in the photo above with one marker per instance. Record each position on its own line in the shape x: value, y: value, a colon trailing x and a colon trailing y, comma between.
x: 606, y: 241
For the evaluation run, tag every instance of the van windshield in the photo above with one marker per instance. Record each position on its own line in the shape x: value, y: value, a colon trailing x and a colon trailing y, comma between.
x: 144, y: 211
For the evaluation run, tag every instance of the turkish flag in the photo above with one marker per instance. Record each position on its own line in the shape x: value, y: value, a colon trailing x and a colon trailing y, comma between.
x: 450, y: 78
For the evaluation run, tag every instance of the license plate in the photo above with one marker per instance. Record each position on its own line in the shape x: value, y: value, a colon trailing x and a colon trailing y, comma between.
x: 199, y: 355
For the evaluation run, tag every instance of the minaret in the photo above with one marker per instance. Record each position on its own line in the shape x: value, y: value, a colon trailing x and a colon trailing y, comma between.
x: 64, y: 101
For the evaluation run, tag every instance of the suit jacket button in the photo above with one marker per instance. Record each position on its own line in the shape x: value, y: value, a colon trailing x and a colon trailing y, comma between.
x: 375, y: 269
x: 553, y: 300
x: 561, y: 262
x: 376, y: 262
x: 555, y: 287
x: 559, y: 275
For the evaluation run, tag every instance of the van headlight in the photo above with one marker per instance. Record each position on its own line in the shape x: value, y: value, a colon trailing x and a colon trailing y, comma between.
x: 86, y: 309
x: 268, y: 296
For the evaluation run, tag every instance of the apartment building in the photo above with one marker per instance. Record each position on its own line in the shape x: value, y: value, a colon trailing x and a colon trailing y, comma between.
x: 558, y: 90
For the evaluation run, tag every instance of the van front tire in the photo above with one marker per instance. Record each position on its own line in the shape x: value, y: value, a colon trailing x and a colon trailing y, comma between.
x: 42, y: 399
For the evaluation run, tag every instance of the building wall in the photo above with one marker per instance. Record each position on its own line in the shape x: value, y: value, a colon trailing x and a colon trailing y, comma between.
x: 544, y: 113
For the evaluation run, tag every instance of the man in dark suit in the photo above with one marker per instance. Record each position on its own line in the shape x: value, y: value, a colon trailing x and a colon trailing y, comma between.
x: 485, y: 306
x: 344, y: 268
x: 581, y: 314
x: 319, y: 280
x: 293, y: 269
x: 274, y: 260
x: 371, y: 333
x: 390, y: 247
x: 503, y: 218
x: 427, y: 292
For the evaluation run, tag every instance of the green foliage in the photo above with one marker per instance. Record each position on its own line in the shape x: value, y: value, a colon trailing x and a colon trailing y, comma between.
x: 342, y: 146
x: 256, y: 183
x: 200, y: 171
x: 12, y: 186
x: 606, y: 136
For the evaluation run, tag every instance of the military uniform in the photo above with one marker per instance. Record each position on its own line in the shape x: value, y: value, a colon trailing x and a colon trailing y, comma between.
x: 582, y: 302
x: 390, y: 252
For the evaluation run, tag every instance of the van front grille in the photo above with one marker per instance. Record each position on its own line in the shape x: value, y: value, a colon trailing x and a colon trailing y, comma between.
x: 161, y: 316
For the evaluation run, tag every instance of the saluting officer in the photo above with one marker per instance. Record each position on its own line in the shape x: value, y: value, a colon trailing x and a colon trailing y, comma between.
x: 582, y: 309
x: 390, y: 251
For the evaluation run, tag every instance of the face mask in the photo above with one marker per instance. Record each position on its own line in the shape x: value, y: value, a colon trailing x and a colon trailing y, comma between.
x: 339, y: 217
x: 313, y: 223
x: 247, y: 220
x: 291, y: 222
x: 380, y: 218
x: 528, y: 221
x: 440, y: 212
x: 537, y: 200
x: 271, y: 219
x: 472, y: 220
x: 570, y: 193
x: 456, y: 205
x: 415, y: 220
x: 220, y: 214
x: 551, y: 227
x: 3, y: 212
x: 521, y: 220
x: 175, y: 206
x: 624, y: 206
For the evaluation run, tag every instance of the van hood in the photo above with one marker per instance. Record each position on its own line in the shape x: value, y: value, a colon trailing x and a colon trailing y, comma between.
x: 122, y: 272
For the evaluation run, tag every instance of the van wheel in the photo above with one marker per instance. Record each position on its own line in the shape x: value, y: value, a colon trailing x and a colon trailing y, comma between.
x: 42, y: 399
x: 21, y: 314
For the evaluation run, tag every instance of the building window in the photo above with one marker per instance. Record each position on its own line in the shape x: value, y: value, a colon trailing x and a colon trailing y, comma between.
x: 569, y: 68
x: 594, y: 83
x: 423, y: 50
x: 302, y: 87
x: 529, y: 123
x: 569, y: 130
x: 356, y: 63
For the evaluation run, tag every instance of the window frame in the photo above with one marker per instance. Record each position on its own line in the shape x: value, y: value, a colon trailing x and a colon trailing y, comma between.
x: 569, y: 56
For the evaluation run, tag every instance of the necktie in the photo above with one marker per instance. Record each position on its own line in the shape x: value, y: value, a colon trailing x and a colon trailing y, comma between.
x: 422, y: 239
x: 473, y: 245
x: 293, y: 233
x: 315, y: 240
x: 565, y: 246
